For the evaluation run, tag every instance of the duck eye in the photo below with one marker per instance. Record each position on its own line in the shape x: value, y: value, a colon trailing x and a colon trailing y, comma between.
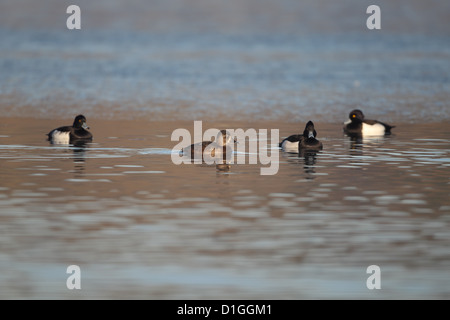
x: 353, y: 116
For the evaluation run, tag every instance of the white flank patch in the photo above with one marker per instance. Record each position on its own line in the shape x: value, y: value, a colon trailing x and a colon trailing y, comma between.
x: 372, y: 130
x: 59, y: 137
x: 290, y: 146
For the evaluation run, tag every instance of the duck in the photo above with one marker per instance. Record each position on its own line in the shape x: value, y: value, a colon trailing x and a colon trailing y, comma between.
x: 78, y: 131
x: 309, y: 141
x: 357, y: 125
x: 221, y: 147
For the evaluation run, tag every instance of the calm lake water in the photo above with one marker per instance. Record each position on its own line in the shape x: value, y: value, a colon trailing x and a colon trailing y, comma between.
x: 141, y: 227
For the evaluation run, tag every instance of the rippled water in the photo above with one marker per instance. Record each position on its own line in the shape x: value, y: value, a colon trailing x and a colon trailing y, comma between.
x: 191, y: 60
x: 141, y: 227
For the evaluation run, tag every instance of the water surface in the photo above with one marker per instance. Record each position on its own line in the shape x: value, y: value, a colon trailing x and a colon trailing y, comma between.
x: 141, y: 227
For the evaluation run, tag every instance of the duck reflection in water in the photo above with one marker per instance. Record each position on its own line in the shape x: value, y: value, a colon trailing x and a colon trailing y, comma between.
x: 224, y: 166
x: 356, y: 145
x: 75, y: 137
x: 309, y: 157
x: 308, y: 148
x: 79, y: 148
x: 359, y: 144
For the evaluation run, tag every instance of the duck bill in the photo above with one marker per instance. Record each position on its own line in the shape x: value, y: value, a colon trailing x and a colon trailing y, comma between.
x: 85, y: 126
x: 311, y: 134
